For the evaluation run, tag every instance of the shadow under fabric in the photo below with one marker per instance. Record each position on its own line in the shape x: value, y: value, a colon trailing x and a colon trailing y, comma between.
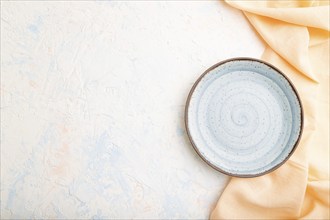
x: 297, y: 37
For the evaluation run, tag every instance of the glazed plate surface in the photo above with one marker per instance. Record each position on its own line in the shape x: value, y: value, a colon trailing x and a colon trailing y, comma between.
x: 244, y: 117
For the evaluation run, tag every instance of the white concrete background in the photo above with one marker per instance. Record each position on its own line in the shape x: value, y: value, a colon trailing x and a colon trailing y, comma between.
x: 92, y: 106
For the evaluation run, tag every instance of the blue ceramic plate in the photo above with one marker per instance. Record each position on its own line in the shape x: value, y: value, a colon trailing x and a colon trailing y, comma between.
x: 244, y: 117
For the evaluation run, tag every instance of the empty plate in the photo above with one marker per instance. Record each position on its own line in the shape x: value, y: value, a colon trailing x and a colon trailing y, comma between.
x: 244, y: 117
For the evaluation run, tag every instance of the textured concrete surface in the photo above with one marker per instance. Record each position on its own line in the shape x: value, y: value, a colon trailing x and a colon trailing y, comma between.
x: 92, y: 106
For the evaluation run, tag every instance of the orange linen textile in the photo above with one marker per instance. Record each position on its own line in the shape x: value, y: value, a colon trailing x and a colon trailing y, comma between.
x: 297, y: 37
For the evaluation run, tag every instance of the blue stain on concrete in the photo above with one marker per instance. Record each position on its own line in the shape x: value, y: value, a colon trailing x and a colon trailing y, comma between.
x: 173, y: 207
x: 98, y: 215
x: 179, y: 131
x: 33, y: 28
x: 28, y: 165
x: 103, y: 156
x: 36, y: 25
x: 59, y: 214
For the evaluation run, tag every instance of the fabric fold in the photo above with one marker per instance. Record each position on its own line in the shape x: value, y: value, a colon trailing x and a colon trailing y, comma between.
x: 315, y: 16
x: 280, y: 35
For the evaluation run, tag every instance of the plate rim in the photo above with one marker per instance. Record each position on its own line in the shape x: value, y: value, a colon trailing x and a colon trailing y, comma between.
x: 192, y: 90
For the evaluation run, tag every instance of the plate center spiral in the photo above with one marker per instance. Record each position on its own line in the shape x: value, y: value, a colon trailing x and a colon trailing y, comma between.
x: 241, y: 114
